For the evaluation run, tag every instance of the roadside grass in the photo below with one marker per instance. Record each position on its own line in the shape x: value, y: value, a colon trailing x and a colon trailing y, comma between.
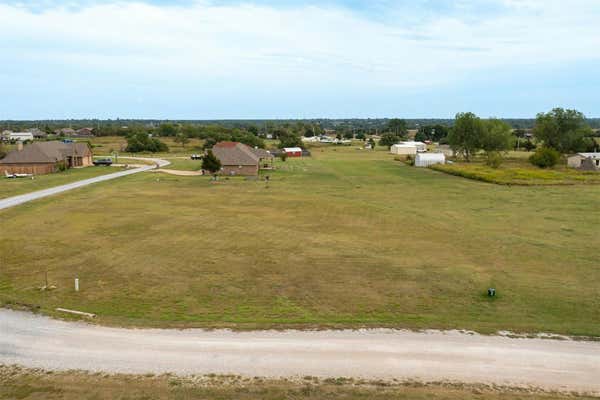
x: 345, y: 239
x: 18, y: 383
x: 14, y: 187
x: 516, y: 170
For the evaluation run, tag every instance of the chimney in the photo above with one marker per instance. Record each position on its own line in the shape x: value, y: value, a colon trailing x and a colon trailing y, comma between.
x: 19, y: 145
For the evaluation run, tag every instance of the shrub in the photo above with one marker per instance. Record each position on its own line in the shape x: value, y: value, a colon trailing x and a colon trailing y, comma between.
x: 545, y: 157
x: 494, y: 159
x: 283, y: 156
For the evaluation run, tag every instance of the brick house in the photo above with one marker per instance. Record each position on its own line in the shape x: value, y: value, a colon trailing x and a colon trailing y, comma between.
x: 239, y: 159
x: 46, y: 157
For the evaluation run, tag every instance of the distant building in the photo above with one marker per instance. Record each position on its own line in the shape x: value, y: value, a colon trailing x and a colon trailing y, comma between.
x: 46, y: 157
x: 65, y: 132
x: 16, y: 136
x: 293, y: 151
x: 585, y: 161
x: 427, y: 159
x: 421, y: 147
x: 240, y: 159
x: 403, y: 149
x: 38, y: 133
x: 84, y: 132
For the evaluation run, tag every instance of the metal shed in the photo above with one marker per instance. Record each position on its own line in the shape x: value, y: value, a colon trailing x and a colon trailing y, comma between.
x: 427, y: 159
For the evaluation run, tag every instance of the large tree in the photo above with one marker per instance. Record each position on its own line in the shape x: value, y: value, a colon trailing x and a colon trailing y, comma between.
x: 182, y: 139
x: 563, y: 130
x: 397, y: 127
x: 495, y: 140
x: 465, y: 137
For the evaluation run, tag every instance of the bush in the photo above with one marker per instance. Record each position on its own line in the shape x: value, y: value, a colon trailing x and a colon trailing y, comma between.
x: 494, y: 159
x: 545, y: 157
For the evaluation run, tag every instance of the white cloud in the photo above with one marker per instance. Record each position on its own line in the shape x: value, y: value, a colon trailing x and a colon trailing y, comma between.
x: 302, y: 46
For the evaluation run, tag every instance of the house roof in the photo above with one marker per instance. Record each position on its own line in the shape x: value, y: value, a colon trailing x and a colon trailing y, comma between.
x: 291, y: 149
x: 589, y: 155
x: 235, y: 153
x: 46, y: 152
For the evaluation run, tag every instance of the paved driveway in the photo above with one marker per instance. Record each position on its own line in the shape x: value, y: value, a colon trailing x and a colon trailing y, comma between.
x: 24, y: 198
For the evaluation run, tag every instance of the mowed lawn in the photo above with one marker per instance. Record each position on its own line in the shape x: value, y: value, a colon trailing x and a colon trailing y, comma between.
x: 14, y: 187
x: 346, y: 238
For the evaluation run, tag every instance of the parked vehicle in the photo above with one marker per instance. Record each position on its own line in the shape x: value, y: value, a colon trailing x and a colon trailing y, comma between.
x: 196, y: 157
x: 103, y: 161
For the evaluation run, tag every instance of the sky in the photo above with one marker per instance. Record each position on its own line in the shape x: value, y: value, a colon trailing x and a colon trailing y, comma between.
x: 255, y: 59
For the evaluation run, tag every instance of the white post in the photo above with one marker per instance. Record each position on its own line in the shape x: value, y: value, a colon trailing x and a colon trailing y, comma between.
x: 77, y: 284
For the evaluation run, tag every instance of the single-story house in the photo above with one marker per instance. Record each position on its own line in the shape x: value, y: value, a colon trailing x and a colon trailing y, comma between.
x: 38, y: 133
x: 586, y: 161
x: 293, y: 151
x: 46, y: 157
x: 240, y: 159
x: 65, y: 132
x: 85, y: 132
x: 403, y: 149
x: 427, y: 159
x: 20, y: 136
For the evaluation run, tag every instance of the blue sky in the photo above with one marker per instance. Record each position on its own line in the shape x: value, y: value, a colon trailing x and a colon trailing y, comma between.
x: 297, y: 59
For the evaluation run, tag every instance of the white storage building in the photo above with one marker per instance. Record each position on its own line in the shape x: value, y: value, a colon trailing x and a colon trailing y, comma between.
x: 404, y: 149
x: 427, y: 159
x: 421, y: 147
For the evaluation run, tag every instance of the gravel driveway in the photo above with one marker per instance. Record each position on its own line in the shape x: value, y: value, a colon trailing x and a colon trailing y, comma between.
x: 40, y: 342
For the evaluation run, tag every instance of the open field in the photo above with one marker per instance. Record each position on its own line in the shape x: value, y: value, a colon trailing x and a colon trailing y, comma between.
x: 347, y: 238
x: 516, y: 170
x: 17, y: 383
x: 104, y: 145
x: 14, y: 187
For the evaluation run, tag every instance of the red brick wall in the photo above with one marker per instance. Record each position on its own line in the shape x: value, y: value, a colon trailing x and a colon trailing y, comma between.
x: 36, y: 169
x: 245, y: 170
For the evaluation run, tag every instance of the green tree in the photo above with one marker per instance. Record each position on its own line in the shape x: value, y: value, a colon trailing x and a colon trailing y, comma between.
x: 397, y: 127
x: 495, y: 140
x: 211, y: 163
x: 545, y: 157
x: 465, y: 136
x: 388, y: 139
x: 372, y: 143
x: 167, y: 130
x: 140, y: 141
x: 182, y: 139
x: 563, y: 130
x: 288, y: 139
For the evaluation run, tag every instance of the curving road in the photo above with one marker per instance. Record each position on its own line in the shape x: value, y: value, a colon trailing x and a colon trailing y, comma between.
x: 40, y: 342
x: 24, y: 198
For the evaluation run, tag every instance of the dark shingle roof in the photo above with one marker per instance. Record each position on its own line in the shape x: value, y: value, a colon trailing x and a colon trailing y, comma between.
x: 45, y: 152
x: 234, y: 153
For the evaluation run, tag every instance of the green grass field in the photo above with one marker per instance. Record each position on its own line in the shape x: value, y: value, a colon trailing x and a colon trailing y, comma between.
x: 14, y: 187
x: 346, y: 238
x: 17, y: 383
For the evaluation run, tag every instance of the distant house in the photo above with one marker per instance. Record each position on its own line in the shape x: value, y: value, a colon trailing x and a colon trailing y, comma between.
x: 46, y: 157
x: 427, y: 159
x: 84, y: 132
x: 293, y: 151
x: 38, y: 133
x: 240, y: 159
x: 585, y: 161
x: 65, y: 132
x: 403, y: 149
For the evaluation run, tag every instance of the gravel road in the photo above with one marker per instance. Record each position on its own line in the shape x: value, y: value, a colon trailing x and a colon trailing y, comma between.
x: 24, y: 198
x: 40, y: 342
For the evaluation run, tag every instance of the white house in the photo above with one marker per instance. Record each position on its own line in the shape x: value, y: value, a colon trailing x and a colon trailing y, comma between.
x: 403, y: 149
x: 580, y: 160
x: 427, y: 159
x: 421, y: 147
